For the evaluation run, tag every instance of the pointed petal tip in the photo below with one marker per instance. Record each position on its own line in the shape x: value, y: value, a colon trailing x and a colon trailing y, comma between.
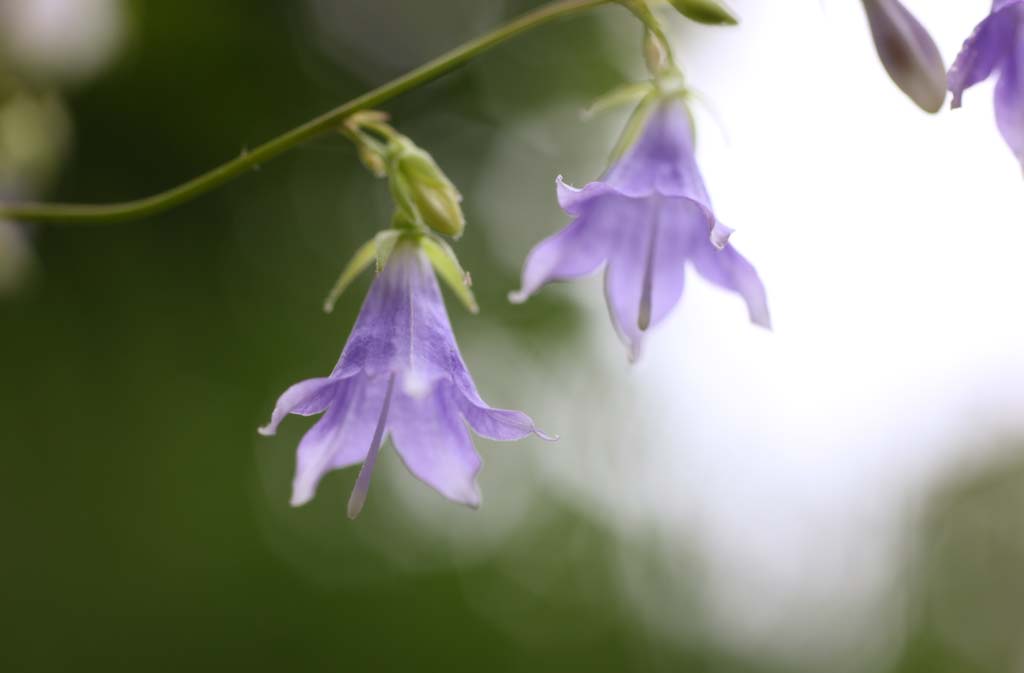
x: 299, y: 498
x: 474, y: 498
x: 268, y: 430
x: 545, y: 436
x: 518, y: 296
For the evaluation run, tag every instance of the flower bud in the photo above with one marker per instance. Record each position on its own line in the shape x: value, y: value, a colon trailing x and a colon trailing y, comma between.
x: 908, y: 53
x: 419, y: 181
x: 711, y: 12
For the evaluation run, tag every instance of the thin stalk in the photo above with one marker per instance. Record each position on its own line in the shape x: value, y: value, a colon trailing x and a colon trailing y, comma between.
x: 75, y: 213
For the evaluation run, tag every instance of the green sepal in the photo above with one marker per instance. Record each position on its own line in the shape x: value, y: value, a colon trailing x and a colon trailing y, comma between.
x: 444, y: 261
x: 626, y: 94
x: 375, y: 250
x: 710, y: 12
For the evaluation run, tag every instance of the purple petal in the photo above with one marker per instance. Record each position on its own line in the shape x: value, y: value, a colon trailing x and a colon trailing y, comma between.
x: 581, y: 247
x: 646, y: 272
x: 662, y: 159
x: 908, y: 53
x: 1010, y: 100
x: 986, y: 49
x: 342, y: 437
x: 433, y: 442
x: 730, y: 270
x: 305, y: 398
x: 403, y: 326
x: 503, y: 425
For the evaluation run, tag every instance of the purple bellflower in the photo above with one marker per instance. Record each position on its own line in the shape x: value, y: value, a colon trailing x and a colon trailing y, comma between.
x: 908, y: 53
x: 997, y: 47
x: 645, y: 219
x: 399, y: 373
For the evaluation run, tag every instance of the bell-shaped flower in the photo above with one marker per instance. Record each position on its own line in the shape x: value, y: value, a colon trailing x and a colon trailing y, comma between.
x: 400, y: 373
x: 645, y: 220
x: 997, y: 47
x: 908, y: 53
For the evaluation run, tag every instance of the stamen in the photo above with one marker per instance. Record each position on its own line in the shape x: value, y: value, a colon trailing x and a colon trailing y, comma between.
x: 644, y: 319
x: 362, y: 487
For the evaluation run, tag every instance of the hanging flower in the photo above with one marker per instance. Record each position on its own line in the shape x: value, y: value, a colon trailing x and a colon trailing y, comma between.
x: 400, y: 374
x: 997, y: 47
x: 645, y: 219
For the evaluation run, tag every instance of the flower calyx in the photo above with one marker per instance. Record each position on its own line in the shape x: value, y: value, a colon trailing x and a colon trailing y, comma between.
x: 424, y: 196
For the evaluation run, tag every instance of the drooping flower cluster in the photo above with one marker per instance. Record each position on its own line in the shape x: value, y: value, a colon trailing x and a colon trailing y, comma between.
x: 646, y: 219
x: 997, y: 48
x: 400, y: 374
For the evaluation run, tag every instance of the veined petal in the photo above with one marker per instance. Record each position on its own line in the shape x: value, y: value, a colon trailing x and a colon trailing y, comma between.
x: 305, y: 398
x: 986, y: 49
x: 430, y: 437
x: 730, y: 270
x: 342, y: 437
x: 1010, y: 100
x: 403, y: 327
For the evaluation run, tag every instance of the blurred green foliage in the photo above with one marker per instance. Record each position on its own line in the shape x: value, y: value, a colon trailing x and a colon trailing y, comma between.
x: 146, y: 525
x: 141, y: 532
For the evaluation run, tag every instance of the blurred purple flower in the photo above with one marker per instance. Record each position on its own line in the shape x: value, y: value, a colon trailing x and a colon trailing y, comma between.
x: 908, y: 53
x: 400, y: 372
x: 646, y: 218
x: 997, y: 46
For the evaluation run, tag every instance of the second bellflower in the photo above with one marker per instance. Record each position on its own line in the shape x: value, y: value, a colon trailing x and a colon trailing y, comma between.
x: 645, y: 219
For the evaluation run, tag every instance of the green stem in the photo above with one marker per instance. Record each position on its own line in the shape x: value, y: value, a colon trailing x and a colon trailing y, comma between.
x: 73, y: 213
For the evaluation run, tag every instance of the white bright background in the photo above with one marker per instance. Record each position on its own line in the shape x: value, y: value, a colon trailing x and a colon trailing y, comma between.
x: 890, y: 244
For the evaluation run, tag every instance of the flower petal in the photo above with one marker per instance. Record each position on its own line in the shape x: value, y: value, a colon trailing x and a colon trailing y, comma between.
x: 662, y: 161
x: 1010, y: 100
x: 503, y: 425
x: 342, y: 437
x: 730, y: 270
x: 580, y: 248
x: 403, y: 326
x: 433, y: 442
x: 623, y: 286
x: 305, y: 398
x: 985, y: 49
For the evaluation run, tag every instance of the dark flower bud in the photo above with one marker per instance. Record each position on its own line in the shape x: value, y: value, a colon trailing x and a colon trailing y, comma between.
x: 710, y: 12
x: 908, y: 53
